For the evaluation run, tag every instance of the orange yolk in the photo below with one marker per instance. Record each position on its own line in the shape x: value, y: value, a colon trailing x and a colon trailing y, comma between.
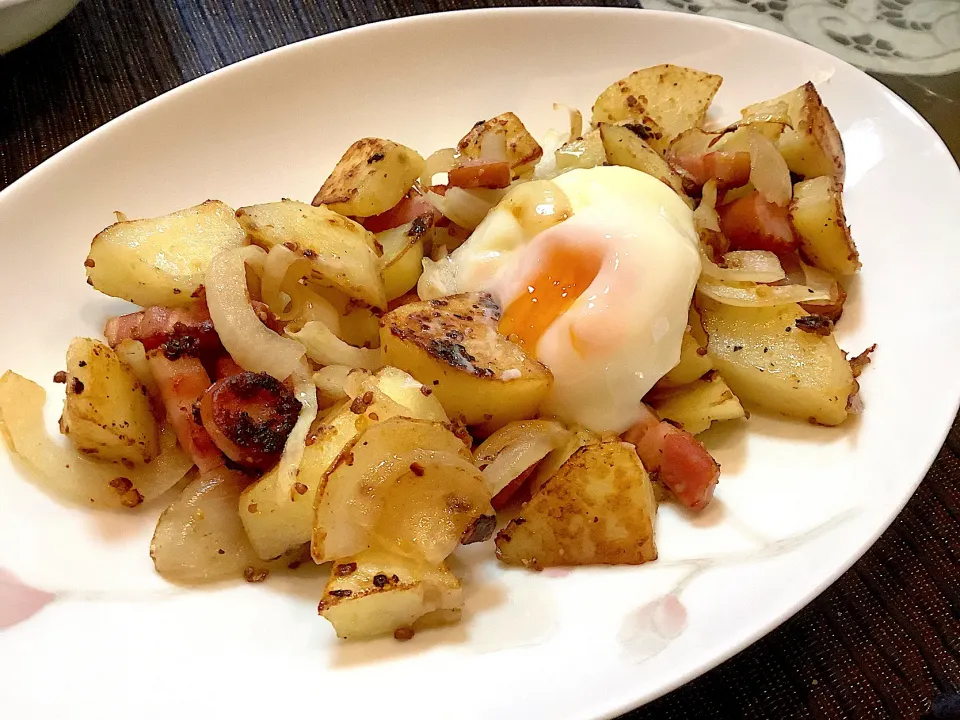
x: 565, y: 274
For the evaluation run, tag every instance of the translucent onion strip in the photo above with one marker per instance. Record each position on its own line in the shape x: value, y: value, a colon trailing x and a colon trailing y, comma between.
x: 289, y: 466
x: 251, y: 344
x: 134, y: 355
x: 68, y: 475
x: 438, y: 279
x: 308, y: 306
x: 769, y: 173
x: 576, y: 120
x: 200, y: 537
x: 330, y: 382
x: 757, y: 266
x: 705, y: 216
x: 506, y: 454
x: 819, y: 280
x: 493, y: 147
x: 466, y: 208
x: 749, y: 295
x: 325, y: 348
x: 438, y: 162
x: 281, y: 268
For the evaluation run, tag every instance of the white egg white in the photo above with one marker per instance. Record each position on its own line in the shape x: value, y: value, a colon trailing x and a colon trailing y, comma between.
x: 624, y: 331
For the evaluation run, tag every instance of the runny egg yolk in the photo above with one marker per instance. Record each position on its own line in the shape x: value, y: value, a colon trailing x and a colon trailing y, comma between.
x: 565, y: 273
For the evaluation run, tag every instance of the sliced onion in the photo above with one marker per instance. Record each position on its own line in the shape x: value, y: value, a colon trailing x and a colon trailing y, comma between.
x: 439, y: 279
x: 756, y: 266
x: 330, y: 382
x: 493, y: 147
x: 68, y: 475
x: 251, y: 344
x: 289, y: 466
x: 768, y: 170
x: 576, y: 120
x: 736, y: 137
x: 466, y: 208
x: 325, y: 348
x: 200, y: 537
x: 309, y: 306
x: 438, y: 162
x: 253, y: 258
x: 281, y: 269
x: 506, y: 454
x: 548, y: 467
x: 705, y: 216
x: 134, y: 355
x: 693, y: 142
x: 753, y: 295
x: 358, y: 382
x: 553, y: 140
x: 819, y: 280
x: 767, y: 112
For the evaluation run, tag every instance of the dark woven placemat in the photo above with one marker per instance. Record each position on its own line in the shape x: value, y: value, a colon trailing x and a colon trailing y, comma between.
x: 882, y: 642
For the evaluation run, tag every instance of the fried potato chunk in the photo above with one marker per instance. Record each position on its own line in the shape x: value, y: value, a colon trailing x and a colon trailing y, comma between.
x: 599, y: 508
x: 372, y: 176
x: 664, y: 99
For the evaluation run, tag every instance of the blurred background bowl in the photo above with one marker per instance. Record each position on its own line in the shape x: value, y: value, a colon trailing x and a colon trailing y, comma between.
x: 23, y: 20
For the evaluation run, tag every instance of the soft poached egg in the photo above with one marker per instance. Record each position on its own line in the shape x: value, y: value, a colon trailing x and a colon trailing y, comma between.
x: 594, y: 272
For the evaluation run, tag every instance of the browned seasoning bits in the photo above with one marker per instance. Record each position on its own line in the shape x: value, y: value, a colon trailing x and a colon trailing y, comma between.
x: 344, y: 569
x: 255, y: 575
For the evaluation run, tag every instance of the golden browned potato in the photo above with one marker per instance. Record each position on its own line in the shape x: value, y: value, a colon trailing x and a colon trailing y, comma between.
x: 162, y: 260
x: 377, y: 593
x: 107, y: 413
x: 582, y: 152
x: 598, y: 509
x: 342, y: 253
x: 452, y: 346
x: 372, y: 176
x: 405, y: 485
x: 624, y: 147
x: 551, y: 464
x: 817, y: 215
x: 277, y: 519
x: 695, y: 407
x: 812, y: 147
x: 770, y: 361
x: 664, y: 99
x: 503, y: 131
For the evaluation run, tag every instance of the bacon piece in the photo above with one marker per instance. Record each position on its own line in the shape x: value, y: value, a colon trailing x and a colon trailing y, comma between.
x: 752, y: 223
x: 182, y: 383
x: 249, y: 416
x: 729, y: 169
x: 486, y: 174
x: 156, y: 325
x: 412, y: 206
x: 225, y: 366
x: 123, y: 327
x: 680, y: 460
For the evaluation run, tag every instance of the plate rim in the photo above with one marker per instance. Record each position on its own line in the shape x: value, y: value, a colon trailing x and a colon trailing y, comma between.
x: 622, y: 702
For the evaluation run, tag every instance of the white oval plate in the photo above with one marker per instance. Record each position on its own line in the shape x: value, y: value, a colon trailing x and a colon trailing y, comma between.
x: 796, y: 506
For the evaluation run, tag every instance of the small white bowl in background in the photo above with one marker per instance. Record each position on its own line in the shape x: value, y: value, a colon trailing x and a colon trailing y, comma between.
x: 23, y: 20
